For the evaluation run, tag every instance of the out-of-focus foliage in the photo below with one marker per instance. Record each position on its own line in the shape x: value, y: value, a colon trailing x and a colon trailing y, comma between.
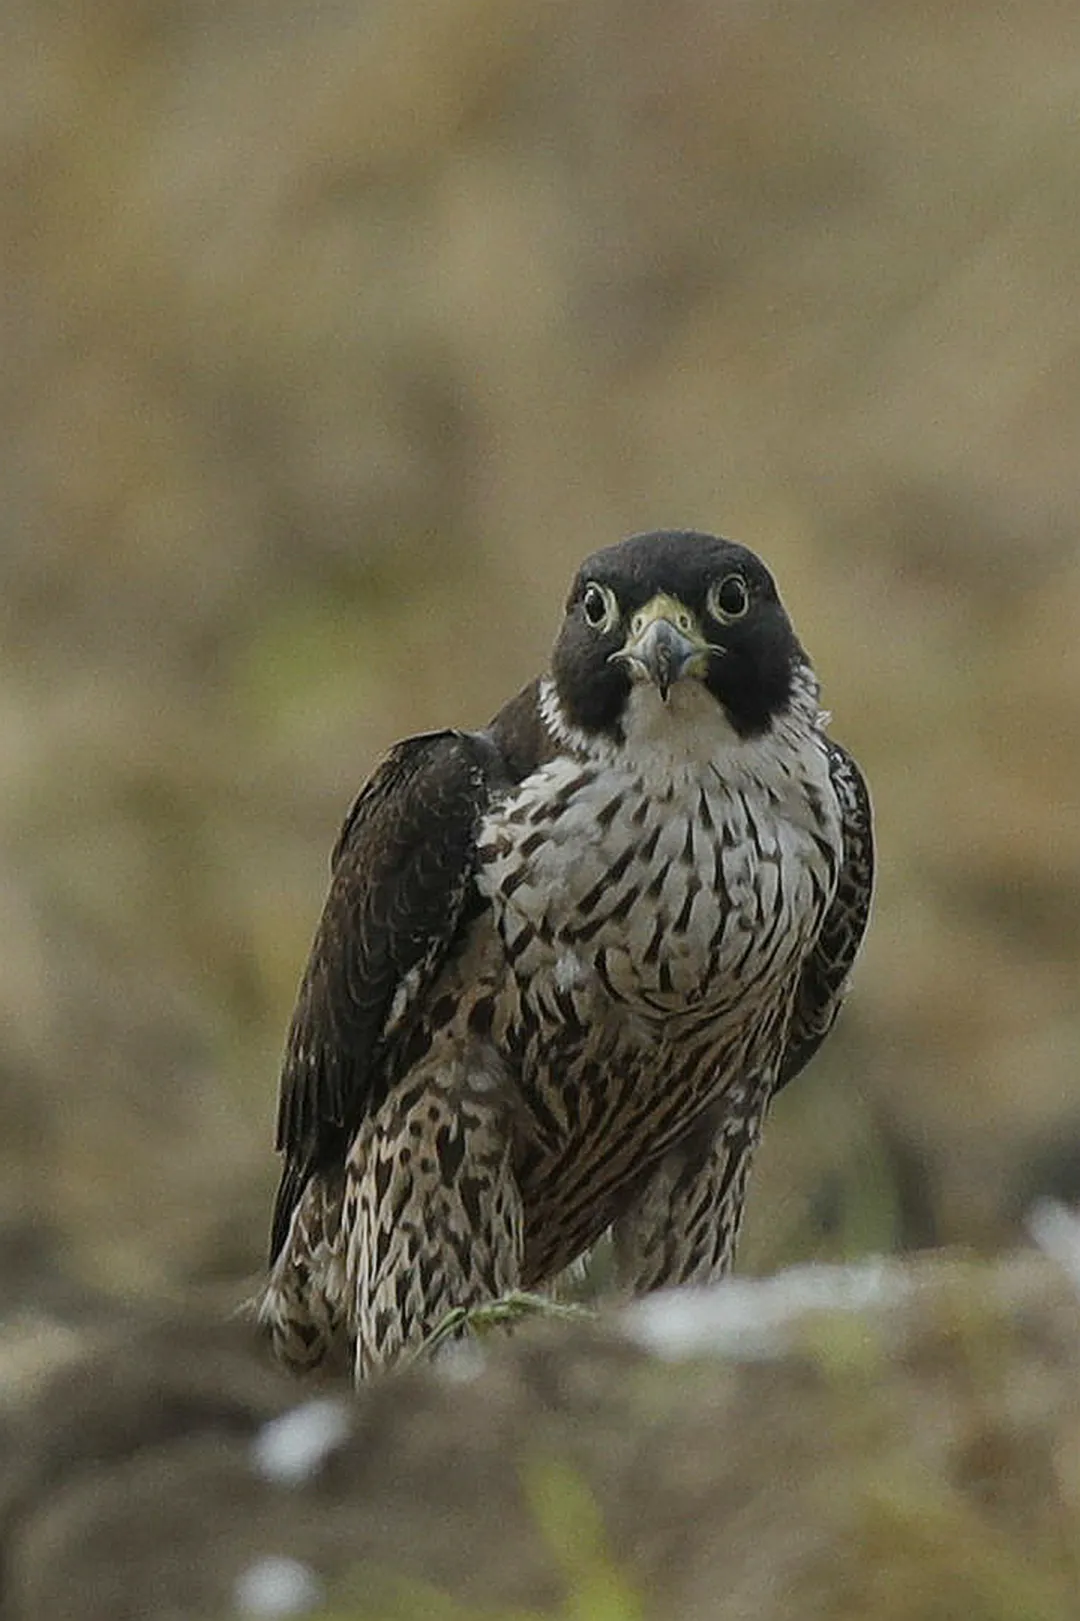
x: 333, y: 337
x: 571, y: 1524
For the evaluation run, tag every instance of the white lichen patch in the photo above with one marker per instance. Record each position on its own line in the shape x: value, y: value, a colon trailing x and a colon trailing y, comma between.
x: 756, y: 1318
x: 291, y: 1450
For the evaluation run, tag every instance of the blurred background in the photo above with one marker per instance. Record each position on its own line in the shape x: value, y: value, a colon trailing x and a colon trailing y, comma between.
x: 333, y: 337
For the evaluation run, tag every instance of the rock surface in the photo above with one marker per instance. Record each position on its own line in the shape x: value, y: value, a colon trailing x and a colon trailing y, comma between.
x: 896, y: 1442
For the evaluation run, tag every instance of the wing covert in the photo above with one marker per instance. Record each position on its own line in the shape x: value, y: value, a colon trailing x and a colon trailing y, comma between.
x: 401, y: 884
x: 824, y: 977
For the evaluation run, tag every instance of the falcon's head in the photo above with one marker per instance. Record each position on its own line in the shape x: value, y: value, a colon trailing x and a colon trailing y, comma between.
x: 661, y: 610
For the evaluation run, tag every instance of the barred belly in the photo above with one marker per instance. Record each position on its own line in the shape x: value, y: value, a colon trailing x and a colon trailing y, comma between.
x: 653, y: 935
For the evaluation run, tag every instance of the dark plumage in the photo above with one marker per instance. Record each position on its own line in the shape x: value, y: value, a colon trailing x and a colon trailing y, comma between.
x: 565, y: 963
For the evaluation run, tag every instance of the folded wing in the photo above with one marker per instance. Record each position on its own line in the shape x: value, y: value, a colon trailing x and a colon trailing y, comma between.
x: 401, y: 893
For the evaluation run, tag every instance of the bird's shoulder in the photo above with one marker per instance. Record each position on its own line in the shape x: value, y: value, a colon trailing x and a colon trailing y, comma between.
x: 434, y: 784
x: 423, y: 783
x: 520, y: 734
x: 824, y: 977
x: 852, y: 792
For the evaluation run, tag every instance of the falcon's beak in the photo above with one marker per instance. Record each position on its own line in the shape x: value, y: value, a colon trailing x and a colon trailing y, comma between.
x: 665, y: 645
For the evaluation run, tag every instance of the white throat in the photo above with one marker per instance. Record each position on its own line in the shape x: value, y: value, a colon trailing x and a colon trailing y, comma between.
x: 689, y: 735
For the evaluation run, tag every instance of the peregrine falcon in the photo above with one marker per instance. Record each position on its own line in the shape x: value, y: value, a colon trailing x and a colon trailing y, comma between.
x: 565, y: 963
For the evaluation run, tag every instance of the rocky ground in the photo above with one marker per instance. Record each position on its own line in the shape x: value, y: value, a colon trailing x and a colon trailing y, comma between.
x: 896, y: 1440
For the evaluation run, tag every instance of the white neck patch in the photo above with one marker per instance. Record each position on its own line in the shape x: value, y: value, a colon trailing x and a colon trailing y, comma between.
x: 690, y: 734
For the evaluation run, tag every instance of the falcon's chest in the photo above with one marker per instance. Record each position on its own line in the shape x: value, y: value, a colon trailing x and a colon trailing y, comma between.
x: 662, y: 885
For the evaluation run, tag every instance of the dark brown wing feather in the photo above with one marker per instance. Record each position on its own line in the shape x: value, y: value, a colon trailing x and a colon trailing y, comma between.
x: 400, y: 892
x: 824, y: 976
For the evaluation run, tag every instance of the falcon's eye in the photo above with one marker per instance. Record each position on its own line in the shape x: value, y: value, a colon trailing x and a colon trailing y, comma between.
x: 729, y: 598
x: 599, y: 606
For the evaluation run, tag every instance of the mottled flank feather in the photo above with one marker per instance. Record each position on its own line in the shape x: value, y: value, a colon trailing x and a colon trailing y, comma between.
x: 304, y: 1302
x: 565, y: 964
